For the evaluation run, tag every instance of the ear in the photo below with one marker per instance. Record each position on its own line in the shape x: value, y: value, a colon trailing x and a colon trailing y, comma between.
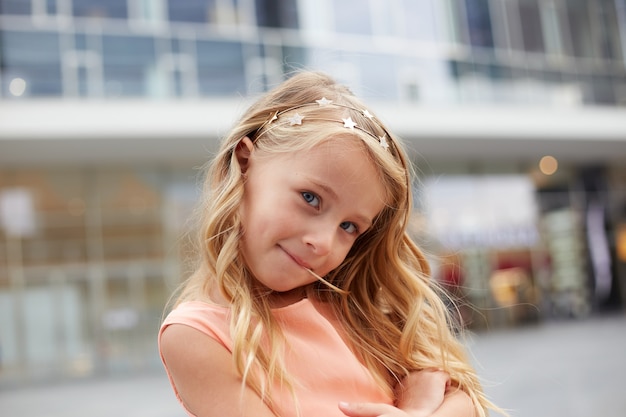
x: 243, y: 151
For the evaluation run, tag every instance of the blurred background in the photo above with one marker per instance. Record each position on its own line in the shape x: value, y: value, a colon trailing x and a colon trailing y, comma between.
x: 513, y: 112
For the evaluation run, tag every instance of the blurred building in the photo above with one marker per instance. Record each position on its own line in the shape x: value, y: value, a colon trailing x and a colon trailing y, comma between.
x: 513, y: 111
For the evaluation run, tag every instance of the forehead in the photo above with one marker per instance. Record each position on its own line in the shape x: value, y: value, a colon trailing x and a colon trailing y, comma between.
x: 342, y: 166
x: 345, y: 153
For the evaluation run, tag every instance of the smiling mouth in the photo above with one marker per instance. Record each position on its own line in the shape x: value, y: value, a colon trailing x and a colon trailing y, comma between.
x: 297, y: 260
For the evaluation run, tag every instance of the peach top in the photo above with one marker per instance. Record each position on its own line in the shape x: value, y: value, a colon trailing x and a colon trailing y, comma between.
x: 324, y: 369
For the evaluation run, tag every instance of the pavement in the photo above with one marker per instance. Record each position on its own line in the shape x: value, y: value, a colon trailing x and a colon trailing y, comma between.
x: 555, y: 369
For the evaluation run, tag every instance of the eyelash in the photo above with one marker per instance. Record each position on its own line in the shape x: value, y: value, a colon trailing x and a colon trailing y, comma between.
x: 309, y: 197
x: 356, y: 228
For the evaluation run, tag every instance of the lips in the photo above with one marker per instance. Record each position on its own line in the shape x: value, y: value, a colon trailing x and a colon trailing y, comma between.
x: 296, y: 259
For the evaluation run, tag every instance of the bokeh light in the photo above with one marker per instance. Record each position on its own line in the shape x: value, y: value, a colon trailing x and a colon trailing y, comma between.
x: 548, y: 165
x: 17, y: 87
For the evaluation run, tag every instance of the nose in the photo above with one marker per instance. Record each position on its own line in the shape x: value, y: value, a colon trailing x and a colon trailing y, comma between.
x: 320, y: 238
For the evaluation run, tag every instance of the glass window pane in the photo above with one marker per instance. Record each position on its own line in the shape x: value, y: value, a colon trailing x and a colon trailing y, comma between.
x: 220, y: 68
x: 129, y: 64
x: 80, y: 42
x: 33, y: 57
x: 423, y: 19
x: 197, y: 11
x: 98, y: 8
x: 15, y: 7
x: 352, y: 16
x: 579, y: 28
x: 51, y: 7
x: 278, y: 13
x: 458, y: 22
x: 530, y: 20
x: 30, y: 48
x: 609, y: 29
x: 293, y: 57
x: 371, y: 66
x: 479, y: 23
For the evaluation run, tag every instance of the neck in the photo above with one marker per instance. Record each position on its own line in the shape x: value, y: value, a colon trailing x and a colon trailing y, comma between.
x: 283, y: 299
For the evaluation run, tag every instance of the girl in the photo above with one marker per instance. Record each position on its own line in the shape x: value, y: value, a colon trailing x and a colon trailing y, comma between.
x: 309, y: 298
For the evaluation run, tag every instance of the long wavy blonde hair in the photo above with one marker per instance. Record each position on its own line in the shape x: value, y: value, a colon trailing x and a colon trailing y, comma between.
x: 391, y: 310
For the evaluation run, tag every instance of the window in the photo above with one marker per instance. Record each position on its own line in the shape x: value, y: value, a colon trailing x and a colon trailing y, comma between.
x: 479, y: 23
x: 471, y: 22
x: 15, y: 7
x: 193, y: 11
x: 277, y: 13
x: 579, y: 28
x: 609, y: 27
x: 128, y: 65
x: 116, y: 9
x: 423, y: 19
x: 51, y: 7
x: 530, y: 20
x: 34, y: 58
x: 591, y: 29
x: 352, y: 16
x: 220, y: 68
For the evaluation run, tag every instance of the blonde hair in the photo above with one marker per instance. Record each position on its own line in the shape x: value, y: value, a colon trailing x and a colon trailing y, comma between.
x: 390, y: 309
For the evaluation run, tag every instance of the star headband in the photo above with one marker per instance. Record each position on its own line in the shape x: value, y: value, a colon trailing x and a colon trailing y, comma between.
x: 348, y: 123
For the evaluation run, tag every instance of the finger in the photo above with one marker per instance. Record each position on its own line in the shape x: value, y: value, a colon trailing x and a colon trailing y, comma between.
x: 366, y: 409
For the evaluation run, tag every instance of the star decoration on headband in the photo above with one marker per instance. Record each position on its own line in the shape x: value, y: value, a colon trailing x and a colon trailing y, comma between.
x: 296, y: 119
x: 349, y: 123
x: 383, y: 142
x: 323, y: 101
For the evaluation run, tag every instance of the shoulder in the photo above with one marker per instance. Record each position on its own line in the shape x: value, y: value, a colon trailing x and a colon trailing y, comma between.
x: 209, y: 319
x: 184, y: 347
x: 200, y: 367
x: 181, y: 344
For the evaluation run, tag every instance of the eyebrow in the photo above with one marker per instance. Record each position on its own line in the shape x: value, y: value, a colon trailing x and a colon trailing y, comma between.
x: 328, y: 189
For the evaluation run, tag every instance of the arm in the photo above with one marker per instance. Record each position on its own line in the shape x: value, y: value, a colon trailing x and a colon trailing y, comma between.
x: 456, y: 404
x: 429, y: 393
x: 205, y: 376
x: 420, y: 394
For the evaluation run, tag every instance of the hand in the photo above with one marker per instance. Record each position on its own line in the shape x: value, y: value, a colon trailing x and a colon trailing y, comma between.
x: 422, y: 392
x: 373, y: 410
x: 418, y: 395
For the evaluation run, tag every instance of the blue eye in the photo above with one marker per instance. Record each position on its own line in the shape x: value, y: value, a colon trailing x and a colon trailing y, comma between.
x: 311, y: 198
x: 349, y: 227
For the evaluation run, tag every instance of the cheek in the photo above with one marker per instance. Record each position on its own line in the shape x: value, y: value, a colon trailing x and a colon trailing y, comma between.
x: 275, y: 221
x: 339, y: 255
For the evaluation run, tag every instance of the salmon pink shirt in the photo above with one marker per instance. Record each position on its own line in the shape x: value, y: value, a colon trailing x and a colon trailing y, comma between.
x: 323, y: 368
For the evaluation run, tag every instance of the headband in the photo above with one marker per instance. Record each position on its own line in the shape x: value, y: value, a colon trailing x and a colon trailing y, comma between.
x: 348, y: 123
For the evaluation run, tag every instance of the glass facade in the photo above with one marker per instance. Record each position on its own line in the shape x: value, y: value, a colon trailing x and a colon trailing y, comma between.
x: 88, y: 259
x: 555, y: 52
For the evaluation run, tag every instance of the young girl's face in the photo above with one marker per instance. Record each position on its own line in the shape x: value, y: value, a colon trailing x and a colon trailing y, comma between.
x: 304, y: 210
